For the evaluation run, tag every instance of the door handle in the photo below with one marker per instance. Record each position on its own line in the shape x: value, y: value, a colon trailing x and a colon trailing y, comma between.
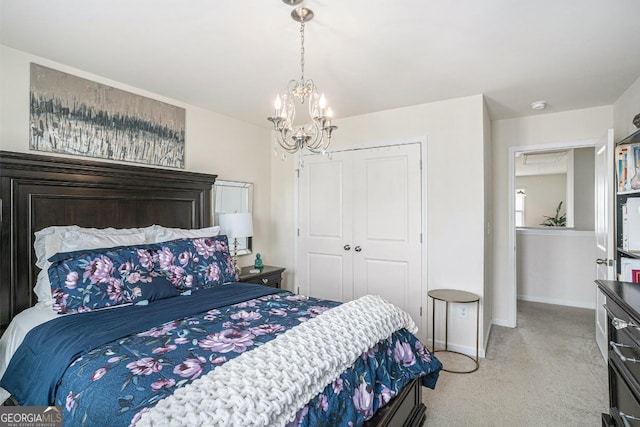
x: 601, y: 261
x: 358, y: 249
x: 347, y: 247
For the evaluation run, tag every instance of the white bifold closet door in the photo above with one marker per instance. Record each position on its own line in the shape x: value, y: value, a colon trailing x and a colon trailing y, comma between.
x: 360, y: 226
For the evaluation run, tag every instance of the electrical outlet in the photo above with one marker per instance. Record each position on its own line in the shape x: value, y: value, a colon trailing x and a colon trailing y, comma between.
x: 463, y: 313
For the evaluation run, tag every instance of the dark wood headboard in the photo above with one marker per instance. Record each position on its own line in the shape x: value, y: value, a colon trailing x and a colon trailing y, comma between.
x: 37, y: 191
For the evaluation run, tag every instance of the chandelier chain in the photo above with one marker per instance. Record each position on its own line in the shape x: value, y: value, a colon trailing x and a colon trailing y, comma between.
x: 302, y: 50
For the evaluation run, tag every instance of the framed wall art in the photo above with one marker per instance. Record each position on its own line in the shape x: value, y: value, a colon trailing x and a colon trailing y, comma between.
x: 73, y: 115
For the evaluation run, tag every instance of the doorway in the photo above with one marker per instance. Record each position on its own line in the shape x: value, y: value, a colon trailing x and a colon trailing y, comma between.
x: 574, y: 232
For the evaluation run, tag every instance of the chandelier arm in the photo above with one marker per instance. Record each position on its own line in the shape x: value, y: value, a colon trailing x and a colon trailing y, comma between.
x: 317, y: 137
x: 282, y: 137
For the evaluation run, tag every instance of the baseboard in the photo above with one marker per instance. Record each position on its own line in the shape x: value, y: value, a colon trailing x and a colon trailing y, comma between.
x: 555, y: 301
x: 470, y: 351
x: 502, y: 322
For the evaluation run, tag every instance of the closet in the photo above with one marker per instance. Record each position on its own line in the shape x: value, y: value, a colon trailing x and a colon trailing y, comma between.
x: 360, y: 226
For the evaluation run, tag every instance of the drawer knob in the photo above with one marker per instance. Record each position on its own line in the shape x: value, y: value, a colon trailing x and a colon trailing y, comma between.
x: 265, y: 281
x: 621, y: 324
x: 616, y: 322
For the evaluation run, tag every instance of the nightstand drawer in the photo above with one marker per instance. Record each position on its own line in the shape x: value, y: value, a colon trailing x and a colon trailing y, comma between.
x: 269, y: 276
x: 273, y: 281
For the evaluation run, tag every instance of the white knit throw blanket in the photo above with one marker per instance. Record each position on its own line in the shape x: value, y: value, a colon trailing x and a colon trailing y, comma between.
x: 269, y: 384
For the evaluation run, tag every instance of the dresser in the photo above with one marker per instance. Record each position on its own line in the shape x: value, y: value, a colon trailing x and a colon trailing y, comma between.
x: 267, y: 276
x: 623, y: 313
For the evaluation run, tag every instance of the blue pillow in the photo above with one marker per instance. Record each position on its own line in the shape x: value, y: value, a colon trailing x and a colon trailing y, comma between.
x: 98, y: 278
x: 158, y: 288
x: 196, y: 263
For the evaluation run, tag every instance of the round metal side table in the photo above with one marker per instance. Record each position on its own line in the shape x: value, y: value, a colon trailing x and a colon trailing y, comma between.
x: 455, y: 296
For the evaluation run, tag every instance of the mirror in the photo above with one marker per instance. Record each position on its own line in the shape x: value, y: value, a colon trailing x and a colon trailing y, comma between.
x: 233, y: 197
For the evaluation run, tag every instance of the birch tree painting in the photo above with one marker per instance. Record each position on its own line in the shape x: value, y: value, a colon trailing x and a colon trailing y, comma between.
x: 73, y: 115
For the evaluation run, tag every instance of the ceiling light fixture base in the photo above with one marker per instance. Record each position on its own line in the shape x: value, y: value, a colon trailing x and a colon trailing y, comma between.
x: 302, y: 14
x: 539, y: 105
x: 292, y: 2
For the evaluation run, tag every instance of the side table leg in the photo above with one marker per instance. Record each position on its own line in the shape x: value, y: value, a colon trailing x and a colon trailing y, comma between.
x: 477, y: 329
x: 446, y: 326
x: 433, y: 326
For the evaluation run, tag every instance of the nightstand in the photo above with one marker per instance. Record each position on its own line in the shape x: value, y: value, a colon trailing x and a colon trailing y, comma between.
x: 268, y: 276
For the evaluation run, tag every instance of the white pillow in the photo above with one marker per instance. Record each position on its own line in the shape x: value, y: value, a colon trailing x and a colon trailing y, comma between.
x: 167, y: 234
x: 48, y: 242
x: 75, y: 240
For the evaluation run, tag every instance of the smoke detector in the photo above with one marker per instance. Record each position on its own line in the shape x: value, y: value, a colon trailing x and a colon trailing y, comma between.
x: 539, y: 105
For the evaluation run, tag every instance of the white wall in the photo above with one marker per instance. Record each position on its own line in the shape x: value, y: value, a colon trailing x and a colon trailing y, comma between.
x: 215, y: 144
x: 584, y: 180
x: 455, y: 192
x: 543, y: 129
x: 556, y: 266
x: 487, y: 300
x: 625, y: 109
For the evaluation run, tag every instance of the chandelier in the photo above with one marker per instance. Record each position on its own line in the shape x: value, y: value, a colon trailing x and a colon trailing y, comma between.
x: 316, y: 135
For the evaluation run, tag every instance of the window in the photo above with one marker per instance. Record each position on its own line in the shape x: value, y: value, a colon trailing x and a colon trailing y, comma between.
x: 520, y: 196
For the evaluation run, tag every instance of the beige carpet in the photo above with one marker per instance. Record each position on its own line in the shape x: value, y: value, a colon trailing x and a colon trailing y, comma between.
x: 546, y: 372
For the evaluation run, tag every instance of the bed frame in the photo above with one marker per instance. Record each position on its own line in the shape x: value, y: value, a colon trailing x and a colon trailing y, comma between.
x: 38, y: 191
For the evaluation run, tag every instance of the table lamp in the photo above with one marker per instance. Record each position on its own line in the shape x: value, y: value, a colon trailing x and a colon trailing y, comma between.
x: 236, y: 226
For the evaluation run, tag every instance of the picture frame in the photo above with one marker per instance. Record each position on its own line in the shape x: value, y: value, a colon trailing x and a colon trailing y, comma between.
x: 76, y: 116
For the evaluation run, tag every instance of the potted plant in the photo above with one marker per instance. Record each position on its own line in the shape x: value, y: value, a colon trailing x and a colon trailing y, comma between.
x: 557, y: 220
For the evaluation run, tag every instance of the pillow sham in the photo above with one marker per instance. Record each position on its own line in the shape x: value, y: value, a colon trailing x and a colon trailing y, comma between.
x: 94, y: 279
x: 50, y: 240
x: 75, y: 240
x: 196, y: 263
x: 165, y: 234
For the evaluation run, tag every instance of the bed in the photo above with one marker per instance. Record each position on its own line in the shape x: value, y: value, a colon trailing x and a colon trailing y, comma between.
x: 218, y: 341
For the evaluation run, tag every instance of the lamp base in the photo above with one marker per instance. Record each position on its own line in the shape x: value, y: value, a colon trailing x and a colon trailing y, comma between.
x: 234, y: 258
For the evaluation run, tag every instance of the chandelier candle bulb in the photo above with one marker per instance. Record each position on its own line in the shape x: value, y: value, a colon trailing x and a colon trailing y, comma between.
x: 278, y: 104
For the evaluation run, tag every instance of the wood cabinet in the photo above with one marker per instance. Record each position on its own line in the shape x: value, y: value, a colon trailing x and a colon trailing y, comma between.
x: 267, y: 276
x: 619, y: 299
x: 623, y: 309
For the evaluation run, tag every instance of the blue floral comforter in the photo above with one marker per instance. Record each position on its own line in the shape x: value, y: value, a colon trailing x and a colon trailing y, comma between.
x: 122, y: 379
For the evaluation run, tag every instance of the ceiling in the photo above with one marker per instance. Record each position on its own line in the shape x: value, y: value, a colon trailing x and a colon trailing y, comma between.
x: 232, y: 57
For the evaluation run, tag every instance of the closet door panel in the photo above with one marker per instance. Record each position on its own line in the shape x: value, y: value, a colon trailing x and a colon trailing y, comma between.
x: 325, y: 212
x: 380, y: 273
x: 387, y: 204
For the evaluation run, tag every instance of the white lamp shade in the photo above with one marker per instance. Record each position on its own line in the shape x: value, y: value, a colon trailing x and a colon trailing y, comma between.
x: 236, y: 225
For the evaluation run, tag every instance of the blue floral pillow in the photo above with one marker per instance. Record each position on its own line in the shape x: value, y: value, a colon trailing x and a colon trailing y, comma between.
x: 99, y: 278
x: 196, y: 263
